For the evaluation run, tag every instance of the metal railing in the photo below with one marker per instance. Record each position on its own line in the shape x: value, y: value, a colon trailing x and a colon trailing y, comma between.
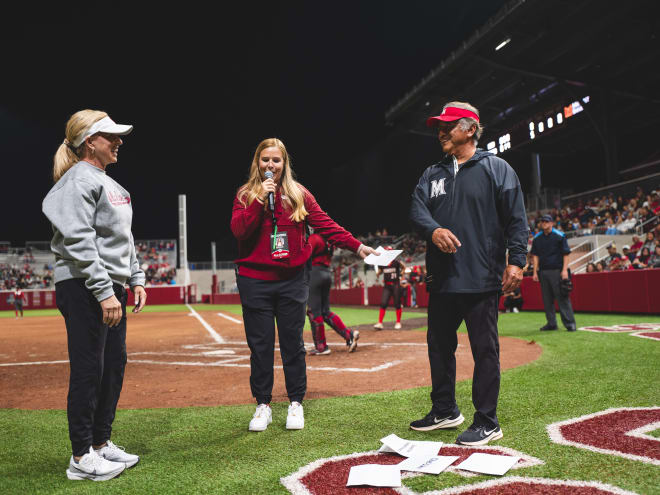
x: 589, y: 257
x: 625, y: 189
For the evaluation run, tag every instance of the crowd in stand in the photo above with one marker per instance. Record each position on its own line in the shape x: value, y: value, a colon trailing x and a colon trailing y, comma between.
x: 24, y: 277
x: 607, y: 214
x: 155, y: 263
x: 643, y: 253
x: 153, y: 259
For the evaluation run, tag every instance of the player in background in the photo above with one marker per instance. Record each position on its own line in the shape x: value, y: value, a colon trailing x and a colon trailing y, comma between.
x: 318, y: 303
x: 392, y: 274
x: 19, y: 300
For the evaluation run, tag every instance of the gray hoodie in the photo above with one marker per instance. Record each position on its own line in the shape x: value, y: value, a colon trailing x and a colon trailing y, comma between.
x: 91, y: 216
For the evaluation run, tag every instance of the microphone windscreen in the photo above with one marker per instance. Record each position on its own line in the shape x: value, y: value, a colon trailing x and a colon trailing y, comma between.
x: 268, y: 174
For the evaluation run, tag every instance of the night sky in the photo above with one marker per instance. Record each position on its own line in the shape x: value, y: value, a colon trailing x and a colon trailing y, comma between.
x: 203, y: 88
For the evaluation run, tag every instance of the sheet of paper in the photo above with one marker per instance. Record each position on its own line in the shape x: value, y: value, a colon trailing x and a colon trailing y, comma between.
x: 374, y: 475
x: 430, y: 465
x: 488, y: 463
x: 411, y: 448
x: 386, y: 256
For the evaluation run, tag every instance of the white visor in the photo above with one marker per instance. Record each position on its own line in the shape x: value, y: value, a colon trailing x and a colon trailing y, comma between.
x: 106, y: 124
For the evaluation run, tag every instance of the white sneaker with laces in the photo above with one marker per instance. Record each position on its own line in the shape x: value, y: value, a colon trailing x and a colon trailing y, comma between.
x: 295, y: 420
x: 93, y: 467
x: 397, y: 326
x: 263, y: 416
x: 378, y: 326
x: 114, y: 453
x: 516, y: 310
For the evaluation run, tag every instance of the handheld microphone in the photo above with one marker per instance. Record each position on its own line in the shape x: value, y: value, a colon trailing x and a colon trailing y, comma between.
x: 271, y: 199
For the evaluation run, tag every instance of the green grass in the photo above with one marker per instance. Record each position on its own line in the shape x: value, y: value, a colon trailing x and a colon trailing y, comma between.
x: 209, y: 450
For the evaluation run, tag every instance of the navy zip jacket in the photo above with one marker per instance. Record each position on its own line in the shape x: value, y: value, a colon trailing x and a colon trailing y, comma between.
x: 481, y: 203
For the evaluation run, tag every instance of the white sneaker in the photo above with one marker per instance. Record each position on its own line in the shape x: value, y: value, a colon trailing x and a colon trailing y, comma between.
x: 263, y: 416
x: 295, y: 420
x: 93, y: 467
x: 114, y: 453
x: 397, y: 326
x: 516, y: 310
x: 378, y: 326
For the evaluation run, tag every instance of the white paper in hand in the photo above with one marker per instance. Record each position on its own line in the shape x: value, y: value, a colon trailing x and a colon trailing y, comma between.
x: 374, y: 475
x: 386, y: 256
x: 410, y: 448
x: 429, y: 465
x: 488, y: 463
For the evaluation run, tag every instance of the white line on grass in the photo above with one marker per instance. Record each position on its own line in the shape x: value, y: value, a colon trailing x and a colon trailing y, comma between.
x: 230, y: 318
x: 215, y: 335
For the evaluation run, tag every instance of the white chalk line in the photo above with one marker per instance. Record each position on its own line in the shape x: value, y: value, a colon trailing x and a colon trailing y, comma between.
x: 34, y: 362
x: 219, y: 352
x: 230, y: 363
x: 215, y: 335
x: 230, y: 318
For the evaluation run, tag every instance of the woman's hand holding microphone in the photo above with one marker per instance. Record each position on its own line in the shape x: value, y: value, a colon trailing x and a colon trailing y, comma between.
x: 267, y: 186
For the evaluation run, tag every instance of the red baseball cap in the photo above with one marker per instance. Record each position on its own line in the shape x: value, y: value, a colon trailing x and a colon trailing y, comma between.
x: 450, y: 114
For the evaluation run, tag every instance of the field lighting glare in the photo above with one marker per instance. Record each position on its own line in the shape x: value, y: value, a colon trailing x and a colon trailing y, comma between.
x: 503, y: 44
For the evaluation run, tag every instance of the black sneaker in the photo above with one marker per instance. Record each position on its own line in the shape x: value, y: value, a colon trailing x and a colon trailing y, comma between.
x: 433, y: 422
x: 571, y: 328
x: 479, y: 435
x: 352, y: 342
x: 548, y: 327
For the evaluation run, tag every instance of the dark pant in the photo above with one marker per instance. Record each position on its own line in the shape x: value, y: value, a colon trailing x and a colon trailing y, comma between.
x: 393, y: 291
x: 319, y: 307
x: 319, y: 291
x: 550, y: 282
x: 480, y: 311
x: 512, y: 302
x: 265, y: 301
x: 97, y: 356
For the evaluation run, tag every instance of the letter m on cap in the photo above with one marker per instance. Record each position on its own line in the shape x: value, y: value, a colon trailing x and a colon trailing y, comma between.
x: 437, y: 187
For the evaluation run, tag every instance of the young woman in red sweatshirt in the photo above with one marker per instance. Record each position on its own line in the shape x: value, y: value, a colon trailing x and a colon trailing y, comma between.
x: 273, y: 276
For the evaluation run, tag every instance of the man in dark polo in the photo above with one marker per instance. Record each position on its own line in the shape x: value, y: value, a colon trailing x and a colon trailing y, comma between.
x: 551, y: 251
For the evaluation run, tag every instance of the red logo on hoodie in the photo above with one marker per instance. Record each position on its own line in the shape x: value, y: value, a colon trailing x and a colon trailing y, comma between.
x: 116, y: 199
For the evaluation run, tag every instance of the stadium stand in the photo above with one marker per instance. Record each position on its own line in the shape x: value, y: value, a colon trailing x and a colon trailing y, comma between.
x: 31, y: 266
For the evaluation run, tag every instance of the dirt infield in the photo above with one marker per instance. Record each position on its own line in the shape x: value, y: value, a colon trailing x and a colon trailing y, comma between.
x: 175, y: 360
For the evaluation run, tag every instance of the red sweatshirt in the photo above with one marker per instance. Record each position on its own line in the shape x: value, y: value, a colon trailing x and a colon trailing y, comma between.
x: 253, y: 226
x: 321, y: 252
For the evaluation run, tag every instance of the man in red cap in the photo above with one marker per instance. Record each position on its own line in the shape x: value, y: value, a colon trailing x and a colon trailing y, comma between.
x: 469, y: 208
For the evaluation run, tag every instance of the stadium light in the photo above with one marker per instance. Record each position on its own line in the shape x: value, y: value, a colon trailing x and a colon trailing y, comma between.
x: 503, y: 44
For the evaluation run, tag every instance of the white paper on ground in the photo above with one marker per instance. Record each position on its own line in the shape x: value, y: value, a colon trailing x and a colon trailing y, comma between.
x: 411, y: 448
x: 374, y: 475
x: 430, y: 465
x: 386, y: 256
x: 488, y: 463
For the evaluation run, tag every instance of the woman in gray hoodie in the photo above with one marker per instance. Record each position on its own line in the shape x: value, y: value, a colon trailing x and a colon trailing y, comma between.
x: 95, y: 257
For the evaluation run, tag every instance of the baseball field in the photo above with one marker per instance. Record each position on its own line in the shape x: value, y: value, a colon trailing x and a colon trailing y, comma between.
x: 581, y: 409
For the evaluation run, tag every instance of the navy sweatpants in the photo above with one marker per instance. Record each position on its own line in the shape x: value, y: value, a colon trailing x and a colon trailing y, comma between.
x: 97, y: 356
x: 264, y: 302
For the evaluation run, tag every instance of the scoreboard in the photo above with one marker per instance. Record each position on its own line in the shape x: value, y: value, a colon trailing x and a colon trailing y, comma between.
x: 535, y: 127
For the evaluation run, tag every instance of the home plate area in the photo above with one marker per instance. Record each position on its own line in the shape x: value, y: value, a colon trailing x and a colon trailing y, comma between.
x: 620, y: 432
x: 626, y: 328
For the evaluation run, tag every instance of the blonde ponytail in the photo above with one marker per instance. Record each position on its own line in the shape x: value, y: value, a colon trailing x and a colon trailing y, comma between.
x: 66, y: 155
